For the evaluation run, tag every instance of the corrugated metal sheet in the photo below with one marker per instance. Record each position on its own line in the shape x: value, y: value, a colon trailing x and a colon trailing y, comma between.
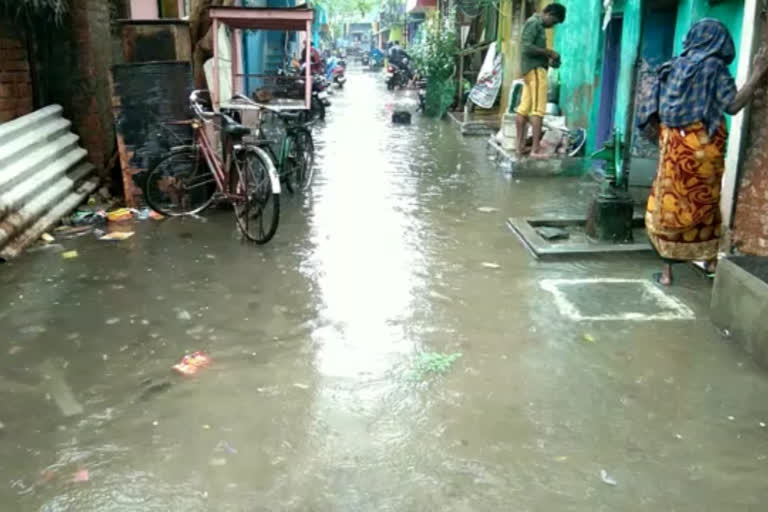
x: 43, y: 176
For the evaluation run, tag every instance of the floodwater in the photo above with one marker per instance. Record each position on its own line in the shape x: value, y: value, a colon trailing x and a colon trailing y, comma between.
x: 336, y: 382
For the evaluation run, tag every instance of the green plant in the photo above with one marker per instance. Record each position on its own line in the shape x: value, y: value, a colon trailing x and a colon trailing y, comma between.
x: 433, y: 363
x: 434, y: 57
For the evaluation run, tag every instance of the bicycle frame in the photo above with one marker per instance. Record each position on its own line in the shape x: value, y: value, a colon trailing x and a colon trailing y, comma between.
x: 221, y: 170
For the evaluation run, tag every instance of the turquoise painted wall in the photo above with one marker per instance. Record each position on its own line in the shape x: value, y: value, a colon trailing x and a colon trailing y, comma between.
x: 579, y: 42
x: 730, y: 12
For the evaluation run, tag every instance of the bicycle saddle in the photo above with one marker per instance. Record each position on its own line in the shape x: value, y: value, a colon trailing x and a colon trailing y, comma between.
x: 235, y: 129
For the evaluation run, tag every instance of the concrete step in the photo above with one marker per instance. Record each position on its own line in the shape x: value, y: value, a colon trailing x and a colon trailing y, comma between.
x: 44, y: 131
x: 24, y: 189
x: 36, y: 207
x: 29, y: 164
x: 18, y: 127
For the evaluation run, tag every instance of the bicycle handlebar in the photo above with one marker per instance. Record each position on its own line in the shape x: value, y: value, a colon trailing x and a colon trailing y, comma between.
x: 197, y: 106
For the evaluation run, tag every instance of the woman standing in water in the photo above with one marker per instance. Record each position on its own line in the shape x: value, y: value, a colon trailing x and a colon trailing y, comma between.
x: 689, y: 98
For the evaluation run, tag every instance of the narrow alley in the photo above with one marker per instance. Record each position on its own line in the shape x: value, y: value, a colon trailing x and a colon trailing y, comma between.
x: 393, y: 348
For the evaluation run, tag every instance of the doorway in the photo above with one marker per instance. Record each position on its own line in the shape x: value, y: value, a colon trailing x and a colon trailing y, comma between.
x: 609, y: 80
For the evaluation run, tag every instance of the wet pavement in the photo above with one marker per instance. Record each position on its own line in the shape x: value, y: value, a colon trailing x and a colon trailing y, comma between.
x: 394, y: 348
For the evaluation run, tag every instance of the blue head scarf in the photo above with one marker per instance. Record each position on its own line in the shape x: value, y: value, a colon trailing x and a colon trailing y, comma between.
x: 696, y: 86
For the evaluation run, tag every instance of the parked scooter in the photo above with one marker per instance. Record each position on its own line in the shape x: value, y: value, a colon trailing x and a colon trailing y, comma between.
x: 319, y: 101
x: 376, y: 59
x: 398, y: 76
x: 334, y: 72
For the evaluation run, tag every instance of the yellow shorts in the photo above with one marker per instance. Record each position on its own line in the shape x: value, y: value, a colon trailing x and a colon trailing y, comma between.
x: 534, y: 100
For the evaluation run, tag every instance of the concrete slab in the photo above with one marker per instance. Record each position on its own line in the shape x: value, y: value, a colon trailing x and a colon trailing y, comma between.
x: 740, y: 303
x: 577, y: 244
x: 607, y: 299
x: 530, y: 167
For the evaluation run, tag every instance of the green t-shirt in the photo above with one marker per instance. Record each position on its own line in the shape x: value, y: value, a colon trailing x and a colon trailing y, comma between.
x: 534, y: 36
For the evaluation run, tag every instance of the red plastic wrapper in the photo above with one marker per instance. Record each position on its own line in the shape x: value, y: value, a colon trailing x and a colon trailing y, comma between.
x: 192, y: 363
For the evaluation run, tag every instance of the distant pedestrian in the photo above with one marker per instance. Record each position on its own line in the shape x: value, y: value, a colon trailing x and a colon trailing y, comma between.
x: 689, y: 97
x: 535, y: 60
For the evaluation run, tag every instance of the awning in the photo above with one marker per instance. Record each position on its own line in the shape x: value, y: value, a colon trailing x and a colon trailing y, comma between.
x: 255, y: 18
x: 420, y: 5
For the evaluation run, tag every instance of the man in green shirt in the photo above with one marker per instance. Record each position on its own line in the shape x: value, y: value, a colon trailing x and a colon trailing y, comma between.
x: 535, y: 58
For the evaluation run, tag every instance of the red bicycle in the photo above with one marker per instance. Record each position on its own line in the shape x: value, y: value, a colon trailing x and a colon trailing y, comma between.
x: 189, y: 178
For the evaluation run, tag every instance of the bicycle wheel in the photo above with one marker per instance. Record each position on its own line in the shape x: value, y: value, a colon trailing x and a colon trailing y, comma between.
x: 301, y: 157
x: 257, y: 208
x: 181, y: 183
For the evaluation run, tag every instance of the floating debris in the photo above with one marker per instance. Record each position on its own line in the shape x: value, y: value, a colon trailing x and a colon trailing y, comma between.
x: 492, y: 266
x: 607, y: 479
x: 80, y: 476
x: 117, y: 236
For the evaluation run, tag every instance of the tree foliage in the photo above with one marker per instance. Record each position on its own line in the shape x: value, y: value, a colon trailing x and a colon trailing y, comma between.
x: 51, y: 10
x: 348, y: 10
x: 435, y: 57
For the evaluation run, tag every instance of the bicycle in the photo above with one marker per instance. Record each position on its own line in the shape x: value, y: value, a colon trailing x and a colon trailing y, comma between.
x: 189, y: 178
x: 295, y: 159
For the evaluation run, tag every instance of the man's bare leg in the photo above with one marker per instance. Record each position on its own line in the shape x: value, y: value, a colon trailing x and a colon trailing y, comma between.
x: 536, y: 122
x: 522, y: 131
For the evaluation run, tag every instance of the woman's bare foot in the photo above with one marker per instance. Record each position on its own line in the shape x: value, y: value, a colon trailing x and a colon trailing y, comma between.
x: 664, y: 277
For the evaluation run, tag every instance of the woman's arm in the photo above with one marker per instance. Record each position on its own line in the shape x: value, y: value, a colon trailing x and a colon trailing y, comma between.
x: 745, y: 93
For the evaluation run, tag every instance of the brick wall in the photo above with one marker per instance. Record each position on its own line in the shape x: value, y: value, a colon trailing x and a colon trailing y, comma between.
x: 91, y: 105
x: 16, y: 96
x: 750, y: 222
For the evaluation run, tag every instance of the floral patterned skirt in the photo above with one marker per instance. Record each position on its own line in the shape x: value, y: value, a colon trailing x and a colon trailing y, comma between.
x: 683, y: 218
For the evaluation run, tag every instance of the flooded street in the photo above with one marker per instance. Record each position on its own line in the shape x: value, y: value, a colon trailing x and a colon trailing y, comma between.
x: 392, y: 349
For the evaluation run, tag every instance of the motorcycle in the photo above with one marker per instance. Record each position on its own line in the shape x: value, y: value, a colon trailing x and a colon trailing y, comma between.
x: 334, y: 72
x: 397, y: 76
x: 319, y: 101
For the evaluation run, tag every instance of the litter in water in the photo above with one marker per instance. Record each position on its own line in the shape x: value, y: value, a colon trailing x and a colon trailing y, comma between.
x: 589, y: 338
x: 120, y: 215
x: 224, y: 446
x: 607, y: 479
x: 117, y: 236
x: 487, y: 209
x: 492, y: 266
x: 47, y: 238
x: 192, y: 363
x: 183, y: 315
x: 69, y: 255
x: 81, y: 476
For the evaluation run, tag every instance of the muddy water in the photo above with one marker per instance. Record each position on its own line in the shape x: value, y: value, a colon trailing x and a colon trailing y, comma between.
x: 315, y: 400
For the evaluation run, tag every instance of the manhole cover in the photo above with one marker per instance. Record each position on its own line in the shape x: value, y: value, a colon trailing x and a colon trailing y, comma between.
x: 615, y: 299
